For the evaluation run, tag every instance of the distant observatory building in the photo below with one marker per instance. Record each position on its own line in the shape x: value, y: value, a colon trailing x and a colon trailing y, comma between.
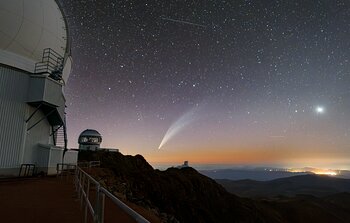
x: 89, y: 139
x: 183, y: 165
x: 35, y: 64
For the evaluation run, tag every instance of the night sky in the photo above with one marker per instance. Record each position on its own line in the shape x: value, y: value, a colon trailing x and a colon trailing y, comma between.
x: 241, y: 82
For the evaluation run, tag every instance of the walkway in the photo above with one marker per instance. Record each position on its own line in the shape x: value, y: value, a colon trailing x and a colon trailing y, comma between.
x: 51, y: 199
x: 38, y: 200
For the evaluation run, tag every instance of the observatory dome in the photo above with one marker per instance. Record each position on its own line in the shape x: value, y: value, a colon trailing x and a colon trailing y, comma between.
x: 29, y: 27
x: 90, y: 137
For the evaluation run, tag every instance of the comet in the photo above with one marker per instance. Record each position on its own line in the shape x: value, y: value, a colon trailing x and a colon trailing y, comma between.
x: 186, y: 119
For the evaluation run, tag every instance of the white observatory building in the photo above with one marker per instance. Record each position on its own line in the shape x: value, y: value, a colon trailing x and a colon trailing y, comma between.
x: 89, y: 139
x: 35, y: 64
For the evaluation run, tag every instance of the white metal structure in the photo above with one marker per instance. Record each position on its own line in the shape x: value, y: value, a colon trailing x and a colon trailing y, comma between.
x: 35, y: 64
x: 27, y: 27
x: 89, y: 139
x: 84, y: 184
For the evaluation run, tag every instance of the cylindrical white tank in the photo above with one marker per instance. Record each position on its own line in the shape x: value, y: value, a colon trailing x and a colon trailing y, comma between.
x: 32, y: 106
x: 27, y: 27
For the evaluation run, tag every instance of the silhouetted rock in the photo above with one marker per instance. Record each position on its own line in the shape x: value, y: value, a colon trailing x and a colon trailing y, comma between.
x: 184, y: 195
x: 317, y: 185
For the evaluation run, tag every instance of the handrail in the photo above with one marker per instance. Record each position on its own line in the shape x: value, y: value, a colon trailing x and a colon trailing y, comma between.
x: 27, y: 168
x: 65, y: 168
x: 89, y: 164
x: 94, y: 163
x: 51, y: 63
x: 123, y: 206
x: 82, y: 183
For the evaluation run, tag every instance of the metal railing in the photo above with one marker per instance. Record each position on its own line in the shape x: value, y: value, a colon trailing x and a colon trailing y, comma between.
x: 89, y: 164
x: 27, y: 169
x: 51, y: 63
x: 83, y: 183
x: 65, y: 169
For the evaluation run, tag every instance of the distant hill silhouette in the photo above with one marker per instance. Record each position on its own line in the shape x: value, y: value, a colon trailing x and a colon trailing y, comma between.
x: 253, y: 174
x: 307, y: 208
x: 312, y: 184
x: 184, y: 195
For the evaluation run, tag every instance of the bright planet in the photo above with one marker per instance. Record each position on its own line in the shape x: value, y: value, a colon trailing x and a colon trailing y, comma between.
x: 320, y: 109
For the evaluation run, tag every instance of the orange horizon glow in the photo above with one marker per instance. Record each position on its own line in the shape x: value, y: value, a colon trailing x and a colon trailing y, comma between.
x: 284, y: 157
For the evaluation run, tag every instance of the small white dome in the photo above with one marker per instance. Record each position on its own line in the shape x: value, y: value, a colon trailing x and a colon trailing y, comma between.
x: 90, y: 137
x: 90, y: 132
x: 27, y: 27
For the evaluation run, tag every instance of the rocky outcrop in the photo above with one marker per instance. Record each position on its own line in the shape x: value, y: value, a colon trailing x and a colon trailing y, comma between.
x: 184, y: 195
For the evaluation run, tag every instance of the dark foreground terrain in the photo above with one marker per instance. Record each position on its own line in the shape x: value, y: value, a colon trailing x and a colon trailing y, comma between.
x: 184, y: 195
x: 312, y: 184
x: 38, y: 200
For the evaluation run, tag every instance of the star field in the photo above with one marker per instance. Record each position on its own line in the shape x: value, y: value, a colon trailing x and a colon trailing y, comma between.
x: 258, y: 72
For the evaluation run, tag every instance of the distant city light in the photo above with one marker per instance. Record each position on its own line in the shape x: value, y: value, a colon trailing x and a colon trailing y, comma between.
x: 330, y: 173
x: 315, y: 171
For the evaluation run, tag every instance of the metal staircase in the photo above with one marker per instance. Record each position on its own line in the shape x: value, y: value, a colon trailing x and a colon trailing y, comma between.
x: 51, y: 63
x: 59, y: 136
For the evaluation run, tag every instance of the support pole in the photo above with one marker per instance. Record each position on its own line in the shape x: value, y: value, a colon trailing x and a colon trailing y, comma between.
x: 37, y: 108
x: 82, y: 191
x: 54, y: 131
x: 102, y: 214
x: 87, y: 200
x: 41, y: 119
x: 97, y: 216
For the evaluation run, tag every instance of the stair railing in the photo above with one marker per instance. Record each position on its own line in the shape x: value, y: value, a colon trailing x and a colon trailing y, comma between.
x: 83, y: 184
x: 27, y: 170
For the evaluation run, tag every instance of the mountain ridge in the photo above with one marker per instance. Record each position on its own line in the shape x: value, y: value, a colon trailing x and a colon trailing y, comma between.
x: 313, y: 184
x: 184, y: 195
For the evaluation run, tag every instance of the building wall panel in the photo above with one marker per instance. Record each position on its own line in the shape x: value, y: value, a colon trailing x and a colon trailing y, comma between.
x: 71, y: 157
x: 13, y: 112
x: 42, y: 155
x: 40, y: 133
